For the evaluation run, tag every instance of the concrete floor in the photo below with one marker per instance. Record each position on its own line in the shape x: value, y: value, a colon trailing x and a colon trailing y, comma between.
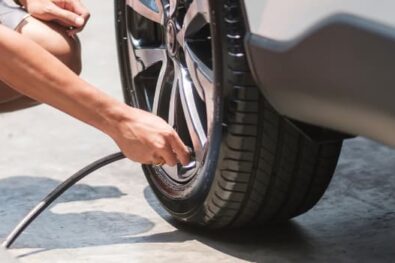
x: 112, y: 216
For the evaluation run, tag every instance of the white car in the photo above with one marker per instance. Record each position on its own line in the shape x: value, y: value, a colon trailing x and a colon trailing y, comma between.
x: 263, y: 91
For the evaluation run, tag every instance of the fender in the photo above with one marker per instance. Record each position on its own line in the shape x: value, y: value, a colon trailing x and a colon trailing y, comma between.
x: 329, y: 64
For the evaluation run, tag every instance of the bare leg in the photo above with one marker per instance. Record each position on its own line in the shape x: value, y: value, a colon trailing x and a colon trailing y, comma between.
x: 54, y: 39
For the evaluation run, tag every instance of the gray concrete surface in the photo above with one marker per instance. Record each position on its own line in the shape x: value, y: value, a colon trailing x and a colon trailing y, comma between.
x: 112, y: 216
x: 5, y: 257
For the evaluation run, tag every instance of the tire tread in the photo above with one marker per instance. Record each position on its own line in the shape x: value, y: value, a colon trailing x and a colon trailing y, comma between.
x: 268, y: 171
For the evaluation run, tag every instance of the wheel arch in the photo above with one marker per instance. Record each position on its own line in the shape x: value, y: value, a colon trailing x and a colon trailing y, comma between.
x: 336, y: 73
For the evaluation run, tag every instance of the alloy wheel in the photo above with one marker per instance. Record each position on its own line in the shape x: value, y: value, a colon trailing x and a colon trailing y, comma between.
x: 171, y: 69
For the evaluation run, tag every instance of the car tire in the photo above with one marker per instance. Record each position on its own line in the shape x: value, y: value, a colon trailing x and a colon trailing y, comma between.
x: 256, y: 165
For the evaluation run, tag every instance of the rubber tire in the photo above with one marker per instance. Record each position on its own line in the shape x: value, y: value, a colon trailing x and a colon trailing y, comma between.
x: 260, y: 168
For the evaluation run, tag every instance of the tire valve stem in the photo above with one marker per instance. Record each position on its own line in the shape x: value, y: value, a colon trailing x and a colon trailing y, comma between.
x: 192, y: 161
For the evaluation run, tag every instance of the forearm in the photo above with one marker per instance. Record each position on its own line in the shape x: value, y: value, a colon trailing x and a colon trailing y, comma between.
x: 32, y: 71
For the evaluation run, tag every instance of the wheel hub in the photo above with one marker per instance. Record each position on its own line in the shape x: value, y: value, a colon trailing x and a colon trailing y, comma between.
x: 171, y: 41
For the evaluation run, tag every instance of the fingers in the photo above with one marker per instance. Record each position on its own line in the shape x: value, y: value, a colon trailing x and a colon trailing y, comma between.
x: 166, y: 151
x: 168, y: 156
x: 81, y: 10
x: 77, y: 7
x: 66, y: 17
x: 178, y: 147
x: 69, y: 13
x: 172, y: 151
x: 158, y: 161
x: 175, y: 151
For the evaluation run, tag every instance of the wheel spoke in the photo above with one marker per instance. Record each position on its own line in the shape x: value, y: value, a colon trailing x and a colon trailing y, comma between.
x: 173, y: 100
x: 173, y: 7
x: 197, y: 7
x: 191, y: 114
x: 197, y: 16
x: 150, y: 9
x: 149, y: 56
x: 135, y: 66
x: 181, y: 37
x: 201, y: 75
x: 159, y: 85
x: 202, y: 78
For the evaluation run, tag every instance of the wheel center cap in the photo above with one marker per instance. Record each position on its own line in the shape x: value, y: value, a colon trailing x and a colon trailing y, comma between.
x: 171, y: 39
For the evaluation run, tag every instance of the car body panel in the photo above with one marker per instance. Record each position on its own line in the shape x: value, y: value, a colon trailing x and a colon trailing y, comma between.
x: 289, y: 20
x: 327, y: 63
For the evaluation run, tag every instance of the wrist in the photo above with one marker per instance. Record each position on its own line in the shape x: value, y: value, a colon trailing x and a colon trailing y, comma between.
x: 114, y: 116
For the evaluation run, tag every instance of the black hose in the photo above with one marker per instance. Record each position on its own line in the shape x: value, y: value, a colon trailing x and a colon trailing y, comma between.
x: 59, y: 190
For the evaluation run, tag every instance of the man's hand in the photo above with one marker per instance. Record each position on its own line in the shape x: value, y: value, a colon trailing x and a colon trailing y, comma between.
x: 68, y: 13
x: 148, y: 139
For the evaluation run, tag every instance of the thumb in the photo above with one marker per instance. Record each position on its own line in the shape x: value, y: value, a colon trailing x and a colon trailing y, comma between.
x: 66, y: 17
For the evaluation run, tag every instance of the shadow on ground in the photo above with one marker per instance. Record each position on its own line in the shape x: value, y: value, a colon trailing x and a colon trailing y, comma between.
x: 303, y: 239
x: 354, y: 221
x: 71, y: 230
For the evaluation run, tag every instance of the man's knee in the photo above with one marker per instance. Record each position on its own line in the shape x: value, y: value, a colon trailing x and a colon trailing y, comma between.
x: 72, y: 56
x: 54, y: 39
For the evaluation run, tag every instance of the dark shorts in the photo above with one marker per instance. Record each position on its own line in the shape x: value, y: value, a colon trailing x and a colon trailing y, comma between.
x: 11, y: 15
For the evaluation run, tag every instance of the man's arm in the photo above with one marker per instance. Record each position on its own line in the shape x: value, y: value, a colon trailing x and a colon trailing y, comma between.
x: 34, y: 72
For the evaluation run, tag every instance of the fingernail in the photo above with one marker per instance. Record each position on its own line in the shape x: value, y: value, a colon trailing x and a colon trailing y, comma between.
x: 79, y: 21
